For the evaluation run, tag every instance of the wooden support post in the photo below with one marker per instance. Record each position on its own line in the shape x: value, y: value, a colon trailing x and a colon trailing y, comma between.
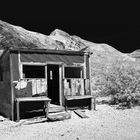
x: 90, y: 104
x: 94, y: 104
x: 18, y: 110
x: 47, y: 105
x: 66, y: 107
x: 12, y: 90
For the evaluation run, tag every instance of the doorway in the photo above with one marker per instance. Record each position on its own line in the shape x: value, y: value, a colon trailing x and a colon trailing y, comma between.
x: 53, y: 83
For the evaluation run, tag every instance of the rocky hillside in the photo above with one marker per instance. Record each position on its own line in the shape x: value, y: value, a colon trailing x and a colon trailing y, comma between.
x: 102, y: 58
x: 135, y: 54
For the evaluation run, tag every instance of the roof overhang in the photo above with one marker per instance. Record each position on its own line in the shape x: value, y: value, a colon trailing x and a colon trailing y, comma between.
x: 49, y: 51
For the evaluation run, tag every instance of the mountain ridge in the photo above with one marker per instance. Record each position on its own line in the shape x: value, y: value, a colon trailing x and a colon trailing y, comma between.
x: 57, y: 38
x: 102, y: 54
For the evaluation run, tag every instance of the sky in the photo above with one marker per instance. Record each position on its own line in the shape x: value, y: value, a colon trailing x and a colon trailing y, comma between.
x: 115, y: 24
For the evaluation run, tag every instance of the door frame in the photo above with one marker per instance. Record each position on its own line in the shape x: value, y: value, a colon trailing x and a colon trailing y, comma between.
x: 60, y: 64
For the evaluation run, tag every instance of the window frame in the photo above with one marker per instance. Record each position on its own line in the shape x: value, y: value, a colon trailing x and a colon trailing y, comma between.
x: 32, y: 64
x: 74, y: 66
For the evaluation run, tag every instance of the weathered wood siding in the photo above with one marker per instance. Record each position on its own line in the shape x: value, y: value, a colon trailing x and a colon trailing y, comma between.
x: 5, y: 87
x: 42, y: 57
x: 29, y: 88
x: 76, y: 87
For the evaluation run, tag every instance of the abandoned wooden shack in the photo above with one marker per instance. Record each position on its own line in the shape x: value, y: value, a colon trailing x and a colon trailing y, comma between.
x: 31, y: 78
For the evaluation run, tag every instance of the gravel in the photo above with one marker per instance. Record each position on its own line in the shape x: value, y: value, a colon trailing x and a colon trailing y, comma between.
x: 106, y: 123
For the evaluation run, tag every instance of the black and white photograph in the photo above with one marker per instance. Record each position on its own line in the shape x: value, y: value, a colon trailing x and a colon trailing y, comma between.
x: 69, y: 70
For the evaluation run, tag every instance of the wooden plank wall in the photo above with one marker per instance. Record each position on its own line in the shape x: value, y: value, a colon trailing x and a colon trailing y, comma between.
x: 29, y: 88
x: 5, y: 87
x: 74, y: 87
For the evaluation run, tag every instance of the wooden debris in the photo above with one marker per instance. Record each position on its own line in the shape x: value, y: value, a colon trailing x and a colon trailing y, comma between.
x: 80, y: 114
x: 34, y: 120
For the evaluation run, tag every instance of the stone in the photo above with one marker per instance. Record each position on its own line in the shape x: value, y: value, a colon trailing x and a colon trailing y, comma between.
x: 58, y: 116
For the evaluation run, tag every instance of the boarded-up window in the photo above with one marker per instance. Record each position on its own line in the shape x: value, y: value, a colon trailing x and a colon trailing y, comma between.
x: 33, y: 71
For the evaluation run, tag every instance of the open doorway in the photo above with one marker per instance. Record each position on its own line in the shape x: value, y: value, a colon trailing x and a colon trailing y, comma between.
x: 53, y: 83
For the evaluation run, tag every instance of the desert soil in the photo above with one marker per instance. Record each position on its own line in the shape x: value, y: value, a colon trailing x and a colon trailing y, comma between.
x: 106, y: 123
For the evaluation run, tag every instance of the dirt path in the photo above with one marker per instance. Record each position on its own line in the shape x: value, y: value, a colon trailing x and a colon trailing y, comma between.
x: 106, y: 123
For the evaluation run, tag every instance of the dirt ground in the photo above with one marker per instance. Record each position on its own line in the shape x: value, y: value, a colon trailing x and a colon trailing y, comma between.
x: 106, y: 123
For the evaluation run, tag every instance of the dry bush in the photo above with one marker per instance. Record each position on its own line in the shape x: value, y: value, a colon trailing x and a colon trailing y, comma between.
x: 122, y: 82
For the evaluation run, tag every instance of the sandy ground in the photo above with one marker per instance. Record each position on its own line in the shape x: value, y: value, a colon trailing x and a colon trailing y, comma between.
x: 106, y: 123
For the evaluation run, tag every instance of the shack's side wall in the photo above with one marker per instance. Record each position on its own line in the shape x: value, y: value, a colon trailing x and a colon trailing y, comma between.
x: 5, y: 87
x: 15, y: 66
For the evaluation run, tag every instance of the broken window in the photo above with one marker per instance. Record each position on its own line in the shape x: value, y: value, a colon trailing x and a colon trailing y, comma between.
x: 33, y: 71
x: 73, y: 72
x: 73, y: 81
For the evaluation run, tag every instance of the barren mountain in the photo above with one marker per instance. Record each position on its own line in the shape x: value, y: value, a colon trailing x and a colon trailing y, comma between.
x: 135, y: 54
x: 103, y: 55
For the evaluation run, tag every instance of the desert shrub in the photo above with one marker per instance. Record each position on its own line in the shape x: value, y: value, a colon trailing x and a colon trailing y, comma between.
x: 122, y: 82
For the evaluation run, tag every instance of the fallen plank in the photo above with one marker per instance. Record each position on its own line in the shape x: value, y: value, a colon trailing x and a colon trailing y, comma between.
x: 34, y: 120
x: 80, y: 114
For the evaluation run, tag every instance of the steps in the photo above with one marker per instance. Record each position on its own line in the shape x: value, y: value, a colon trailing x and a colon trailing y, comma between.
x: 58, y: 116
x: 56, y: 108
x: 57, y: 113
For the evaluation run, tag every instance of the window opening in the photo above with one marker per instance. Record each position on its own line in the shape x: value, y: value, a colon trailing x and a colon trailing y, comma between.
x: 73, y: 72
x: 33, y: 71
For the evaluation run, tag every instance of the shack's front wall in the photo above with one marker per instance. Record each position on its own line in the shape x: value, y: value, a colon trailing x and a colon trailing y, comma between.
x: 5, y: 87
x: 42, y: 58
x: 24, y: 88
x: 17, y: 59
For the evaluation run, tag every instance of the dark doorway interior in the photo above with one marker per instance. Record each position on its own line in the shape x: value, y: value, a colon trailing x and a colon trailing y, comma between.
x: 53, y: 83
